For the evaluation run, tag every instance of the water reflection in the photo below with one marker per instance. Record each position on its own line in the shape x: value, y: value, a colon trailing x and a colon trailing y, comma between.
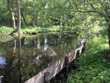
x: 2, y: 62
x: 45, y: 43
x: 24, y: 58
x: 38, y: 42
x: 1, y: 77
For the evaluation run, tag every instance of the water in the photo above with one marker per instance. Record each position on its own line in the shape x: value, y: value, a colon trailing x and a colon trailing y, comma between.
x: 24, y: 58
x: 2, y: 60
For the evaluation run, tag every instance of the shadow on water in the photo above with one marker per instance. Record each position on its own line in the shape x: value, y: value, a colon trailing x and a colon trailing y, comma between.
x: 24, y: 58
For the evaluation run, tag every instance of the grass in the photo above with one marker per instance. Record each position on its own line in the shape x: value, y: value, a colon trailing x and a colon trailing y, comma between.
x: 4, y: 29
x: 94, y: 68
x: 35, y: 30
x: 29, y: 30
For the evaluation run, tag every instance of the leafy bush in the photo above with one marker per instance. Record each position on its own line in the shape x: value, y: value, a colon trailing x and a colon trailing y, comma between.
x: 94, y: 68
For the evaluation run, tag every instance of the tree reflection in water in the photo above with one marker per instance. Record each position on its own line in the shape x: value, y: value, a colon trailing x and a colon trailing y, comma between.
x: 28, y: 56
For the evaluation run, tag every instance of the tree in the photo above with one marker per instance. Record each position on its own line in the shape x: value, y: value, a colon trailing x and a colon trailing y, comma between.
x: 100, y: 8
x: 11, y: 12
x: 18, y: 17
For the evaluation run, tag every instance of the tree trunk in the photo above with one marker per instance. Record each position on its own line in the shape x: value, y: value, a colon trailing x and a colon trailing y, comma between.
x: 108, y: 33
x: 34, y: 13
x: 109, y: 36
x: 13, y: 19
x: 18, y: 17
x: 10, y: 8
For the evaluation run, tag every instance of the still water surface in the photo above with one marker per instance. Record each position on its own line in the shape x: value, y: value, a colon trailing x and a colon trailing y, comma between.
x: 24, y: 58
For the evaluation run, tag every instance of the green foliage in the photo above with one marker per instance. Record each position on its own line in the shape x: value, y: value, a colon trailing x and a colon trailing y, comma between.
x: 94, y: 68
x: 6, y: 30
x: 74, y: 16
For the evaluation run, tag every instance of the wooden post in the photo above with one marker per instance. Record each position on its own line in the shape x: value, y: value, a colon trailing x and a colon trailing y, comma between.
x: 66, y: 64
x: 45, y: 75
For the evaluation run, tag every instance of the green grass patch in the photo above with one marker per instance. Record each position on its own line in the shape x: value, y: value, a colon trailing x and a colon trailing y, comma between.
x: 6, y: 30
x: 41, y: 29
x: 35, y: 30
x: 29, y: 30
